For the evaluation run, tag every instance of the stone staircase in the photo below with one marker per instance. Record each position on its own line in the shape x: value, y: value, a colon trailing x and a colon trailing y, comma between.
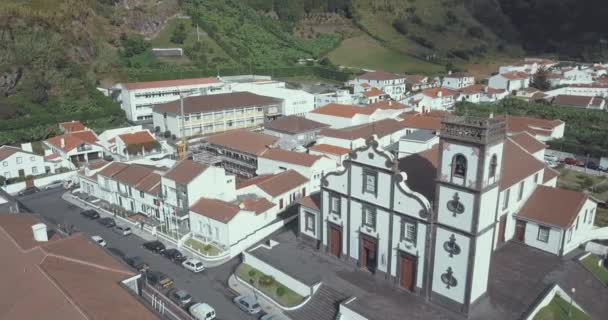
x: 324, y: 305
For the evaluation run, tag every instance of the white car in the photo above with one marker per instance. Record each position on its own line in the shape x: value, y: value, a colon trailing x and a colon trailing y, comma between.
x: 551, y: 158
x: 122, y: 230
x: 202, y: 311
x: 99, y: 240
x: 53, y: 185
x: 193, y: 265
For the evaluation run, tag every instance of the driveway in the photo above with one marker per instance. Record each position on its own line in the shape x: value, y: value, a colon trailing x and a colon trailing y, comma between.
x: 209, y: 286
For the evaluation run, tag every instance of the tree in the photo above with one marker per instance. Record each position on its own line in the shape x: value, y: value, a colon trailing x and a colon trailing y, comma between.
x: 133, y: 45
x: 540, y: 80
x: 179, y: 34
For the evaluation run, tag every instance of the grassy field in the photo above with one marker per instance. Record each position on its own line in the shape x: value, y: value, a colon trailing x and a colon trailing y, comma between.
x: 287, y: 299
x: 558, y: 310
x: 365, y: 52
x: 591, y: 263
x: 579, y: 181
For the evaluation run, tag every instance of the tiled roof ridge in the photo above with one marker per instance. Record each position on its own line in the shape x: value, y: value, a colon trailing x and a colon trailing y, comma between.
x: 86, y: 263
x: 61, y: 290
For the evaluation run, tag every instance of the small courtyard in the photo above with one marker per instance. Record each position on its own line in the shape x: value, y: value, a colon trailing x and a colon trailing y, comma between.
x: 207, y: 249
x: 592, y: 263
x: 558, y: 309
x: 269, y: 286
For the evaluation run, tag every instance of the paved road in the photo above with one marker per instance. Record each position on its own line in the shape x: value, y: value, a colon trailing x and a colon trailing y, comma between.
x: 210, y: 286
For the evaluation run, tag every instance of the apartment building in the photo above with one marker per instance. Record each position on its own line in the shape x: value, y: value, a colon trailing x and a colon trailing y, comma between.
x: 393, y: 85
x: 294, y: 102
x: 78, y: 148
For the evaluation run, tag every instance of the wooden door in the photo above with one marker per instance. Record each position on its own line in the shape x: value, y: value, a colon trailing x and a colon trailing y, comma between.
x: 367, y: 254
x: 335, y: 239
x: 407, y: 272
x: 501, y: 230
x: 21, y: 173
x: 520, y: 231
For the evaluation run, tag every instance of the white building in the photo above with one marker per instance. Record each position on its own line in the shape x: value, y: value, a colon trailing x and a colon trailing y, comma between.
x: 457, y: 80
x: 416, y: 142
x: 339, y: 97
x: 392, y: 84
x: 284, y: 188
x: 528, y: 65
x: 107, y: 138
x: 78, y: 147
x: 338, y: 154
x: 387, y: 132
x: 135, y: 145
x: 18, y: 163
x: 313, y: 167
x: 137, y: 99
x: 295, y: 102
x: 421, y: 82
x: 479, y: 93
x: 215, y: 113
x: 577, y: 75
x: 441, y: 99
x: 465, y: 197
x: 510, y: 81
x: 588, y: 90
x: 340, y: 116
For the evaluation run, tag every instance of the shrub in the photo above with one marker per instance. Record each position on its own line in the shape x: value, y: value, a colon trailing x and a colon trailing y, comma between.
x: 475, y: 32
x: 167, y: 134
x: 266, y: 280
x: 400, y: 25
x: 281, y: 291
x: 174, y: 137
x: 157, y: 129
x: 251, y: 273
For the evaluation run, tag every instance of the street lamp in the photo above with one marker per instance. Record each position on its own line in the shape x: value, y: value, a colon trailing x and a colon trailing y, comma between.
x: 571, y: 302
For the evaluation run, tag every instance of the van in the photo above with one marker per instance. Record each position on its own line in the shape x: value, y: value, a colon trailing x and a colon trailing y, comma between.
x: 202, y: 311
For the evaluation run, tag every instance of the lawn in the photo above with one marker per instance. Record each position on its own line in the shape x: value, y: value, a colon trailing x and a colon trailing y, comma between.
x: 206, y: 249
x: 557, y: 309
x: 163, y: 38
x: 591, y: 263
x: 287, y: 298
x: 365, y: 52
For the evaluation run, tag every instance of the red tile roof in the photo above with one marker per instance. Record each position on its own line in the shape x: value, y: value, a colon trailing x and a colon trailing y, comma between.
x: 112, y: 169
x: 215, y: 209
x: 170, y: 83
x: 297, y: 158
x: 73, y: 139
x: 277, y: 184
x: 434, y: 92
x: 379, y: 76
x: 258, y: 206
x: 132, y: 174
x: 7, y: 151
x: 343, y: 110
x: 50, y: 157
x: 517, y: 164
x: 528, y: 142
x: 139, y: 137
x: 476, y: 88
x: 532, y: 125
x: 421, y: 121
x: 553, y: 206
x: 387, y: 105
x: 72, y: 126
x: 312, y: 201
x: 515, y: 75
x: 249, y: 142
x: 577, y: 101
x: 373, y: 92
x: 380, y: 128
x: 549, y: 174
x: 185, y: 171
x: 294, y: 125
x: 329, y: 149
x: 150, y: 184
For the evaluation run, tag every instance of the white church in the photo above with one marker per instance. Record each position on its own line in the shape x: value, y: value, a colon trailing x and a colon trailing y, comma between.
x: 430, y: 222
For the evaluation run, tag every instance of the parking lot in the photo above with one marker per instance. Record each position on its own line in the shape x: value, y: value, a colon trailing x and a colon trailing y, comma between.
x: 209, y: 286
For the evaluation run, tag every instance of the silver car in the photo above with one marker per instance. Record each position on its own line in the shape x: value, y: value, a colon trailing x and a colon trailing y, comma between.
x: 122, y: 230
x: 54, y: 184
x: 248, y: 304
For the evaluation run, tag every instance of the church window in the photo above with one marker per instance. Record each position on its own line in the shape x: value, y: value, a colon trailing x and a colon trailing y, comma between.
x: 459, y: 166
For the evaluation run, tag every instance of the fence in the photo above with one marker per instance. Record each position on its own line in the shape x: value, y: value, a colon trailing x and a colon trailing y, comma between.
x: 163, y: 305
x: 39, y: 182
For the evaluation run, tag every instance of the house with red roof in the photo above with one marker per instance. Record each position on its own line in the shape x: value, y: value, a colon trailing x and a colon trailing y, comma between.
x: 392, y: 84
x: 372, y: 95
x: 457, y: 80
x: 342, y: 115
x: 441, y: 99
x: 79, y: 147
x: 510, y: 81
x: 136, y: 144
x: 138, y: 98
x: 284, y: 188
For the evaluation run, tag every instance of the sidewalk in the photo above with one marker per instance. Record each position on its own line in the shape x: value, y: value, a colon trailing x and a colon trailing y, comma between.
x: 268, y: 306
x: 104, y: 213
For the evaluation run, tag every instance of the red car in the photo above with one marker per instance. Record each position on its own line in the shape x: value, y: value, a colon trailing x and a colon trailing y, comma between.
x: 571, y: 161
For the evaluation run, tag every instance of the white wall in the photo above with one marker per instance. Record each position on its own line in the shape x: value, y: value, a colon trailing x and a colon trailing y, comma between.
x: 313, y: 173
x: 552, y: 245
x: 483, y: 253
x: 31, y: 164
x: 295, y: 102
x: 290, y: 282
x: 458, y: 263
x: 40, y: 182
x: 317, y: 222
x: 580, y: 233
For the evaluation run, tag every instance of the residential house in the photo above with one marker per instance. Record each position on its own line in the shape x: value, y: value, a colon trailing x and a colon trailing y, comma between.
x: 583, y: 102
x: 136, y: 145
x: 340, y: 116
x: 65, y: 277
x: 390, y: 105
x: 308, y: 165
x: 392, y: 84
x: 510, y: 81
x: 589, y: 90
x: 215, y: 113
x: 441, y: 99
x: 78, y: 147
x: 338, y: 154
x: 138, y: 99
x: 423, y: 121
x: 284, y: 188
x: 528, y: 65
x: 387, y: 131
x: 295, y: 128
x: 381, y: 214
x: 18, y: 163
x: 340, y: 96
x: 458, y: 80
x: 480, y: 93
x: 107, y: 139
x: 239, y: 150
x: 528, y: 142
x: 421, y: 82
x: 294, y: 102
x: 415, y: 142
x: 372, y: 95
x: 577, y: 75
x: 530, y: 94
x: 542, y: 129
x: 72, y: 126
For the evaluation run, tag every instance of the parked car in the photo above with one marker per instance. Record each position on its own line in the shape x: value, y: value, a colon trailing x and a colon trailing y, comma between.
x: 107, y: 222
x: 137, y: 263
x: 117, y: 252
x: 91, y: 214
x: 99, y: 240
x: 592, y: 165
x: 551, y: 158
x: 53, y: 185
x: 571, y: 161
x: 276, y: 316
x: 159, y: 279
x: 122, y: 230
x: 174, y: 255
x: 248, y: 304
x: 193, y: 265
x: 202, y: 311
x: 28, y: 191
x: 154, y: 246
x: 181, y: 297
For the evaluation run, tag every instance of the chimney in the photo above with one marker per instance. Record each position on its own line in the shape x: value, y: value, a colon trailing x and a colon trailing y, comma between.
x: 63, y: 142
x: 242, y: 205
x: 439, y: 94
x: 39, y: 231
x: 449, y: 72
x: 390, y: 102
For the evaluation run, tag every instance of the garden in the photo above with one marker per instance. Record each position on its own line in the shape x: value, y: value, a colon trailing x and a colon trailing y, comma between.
x: 269, y: 286
x: 592, y: 263
x: 559, y: 309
